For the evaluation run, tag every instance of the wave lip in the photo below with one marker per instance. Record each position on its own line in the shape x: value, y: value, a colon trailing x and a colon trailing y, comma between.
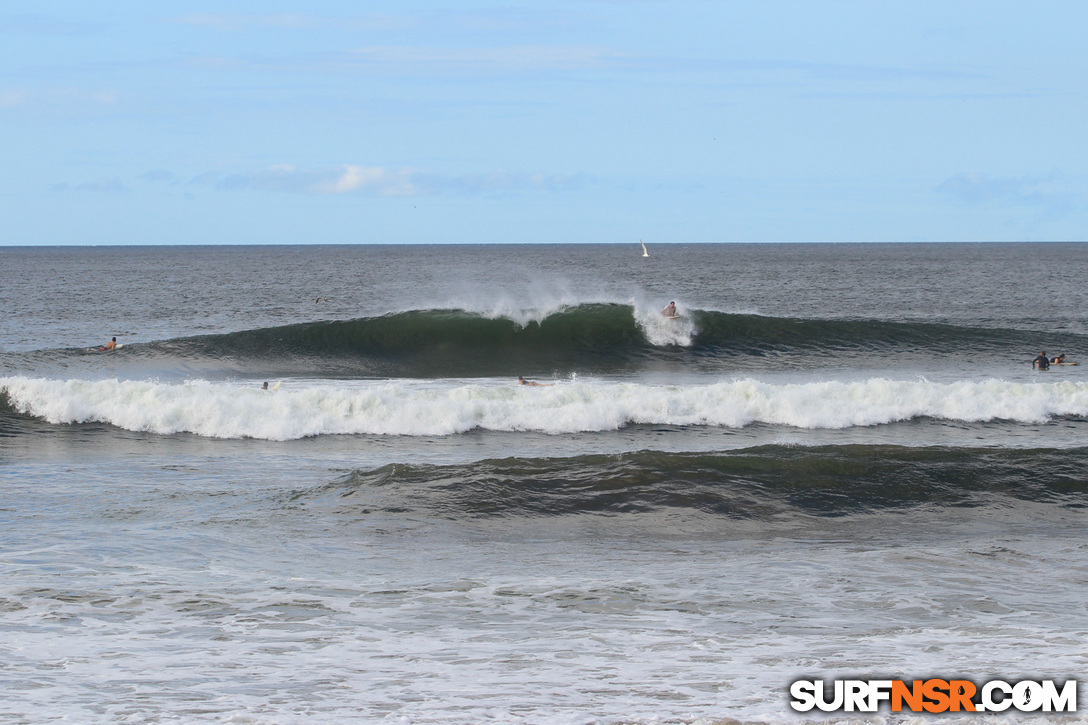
x: 415, y: 408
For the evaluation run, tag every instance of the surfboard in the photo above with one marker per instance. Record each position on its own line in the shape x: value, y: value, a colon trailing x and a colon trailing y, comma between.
x: 100, y: 348
x: 677, y: 317
x: 277, y: 385
x: 1065, y: 363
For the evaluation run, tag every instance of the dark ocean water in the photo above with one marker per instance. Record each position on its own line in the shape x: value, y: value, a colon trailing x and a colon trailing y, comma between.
x: 838, y: 462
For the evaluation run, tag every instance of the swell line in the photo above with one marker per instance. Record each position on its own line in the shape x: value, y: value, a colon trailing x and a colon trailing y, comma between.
x: 768, y: 483
x: 605, y: 338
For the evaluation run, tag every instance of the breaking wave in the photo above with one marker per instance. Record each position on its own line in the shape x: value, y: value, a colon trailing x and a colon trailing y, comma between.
x: 425, y: 408
x: 598, y: 338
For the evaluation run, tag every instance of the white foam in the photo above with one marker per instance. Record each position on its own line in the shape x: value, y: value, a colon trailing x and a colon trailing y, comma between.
x: 662, y: 331
x: 427, y: 408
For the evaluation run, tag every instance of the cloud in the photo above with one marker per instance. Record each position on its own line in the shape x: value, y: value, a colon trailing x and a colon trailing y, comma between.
x: 1053, y: 195
x: 382, y: 181
x: 464, y: 44
x: 978, y: 188
x: 110, y: 185
x: 219, y: 21
x: 375, y: 180
x: 975, y: 188
x: 460, y: 20
x: 503, y: 182
x: 349, y: 179
x: 13, y: 98
x: 525, y: 57
x: 158, y: 175
x: 817, y: 80
x: 208, y: 178
x: 228, y: 22
x: 370, y: 180
x: 37, y: 24
x: 428, y: 61
x: 56, y: 97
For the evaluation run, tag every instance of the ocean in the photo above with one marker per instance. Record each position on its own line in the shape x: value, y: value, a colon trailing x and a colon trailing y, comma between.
x: 837, y: 463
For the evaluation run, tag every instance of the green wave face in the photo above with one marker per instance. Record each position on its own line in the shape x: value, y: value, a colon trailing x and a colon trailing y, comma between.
x: 442, y: 343
x: 771, y: 483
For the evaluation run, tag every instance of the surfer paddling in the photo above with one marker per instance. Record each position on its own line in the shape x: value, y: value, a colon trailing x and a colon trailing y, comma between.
x: 111, y: 345
x: 523, y: 381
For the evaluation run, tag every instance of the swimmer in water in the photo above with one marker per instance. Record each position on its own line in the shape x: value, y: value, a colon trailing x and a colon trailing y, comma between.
x: 523, y: 381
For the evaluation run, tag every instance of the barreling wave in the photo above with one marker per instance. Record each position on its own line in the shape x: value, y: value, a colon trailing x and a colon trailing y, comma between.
x: 768, y: 483
x: 445, y: 343
x: 421, y: 408
x: 599, y: 338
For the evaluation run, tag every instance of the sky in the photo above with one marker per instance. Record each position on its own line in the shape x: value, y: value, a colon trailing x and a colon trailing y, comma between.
x: 508, y: 121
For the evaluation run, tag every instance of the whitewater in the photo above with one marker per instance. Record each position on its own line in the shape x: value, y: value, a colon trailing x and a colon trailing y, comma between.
x: 427, y: 408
